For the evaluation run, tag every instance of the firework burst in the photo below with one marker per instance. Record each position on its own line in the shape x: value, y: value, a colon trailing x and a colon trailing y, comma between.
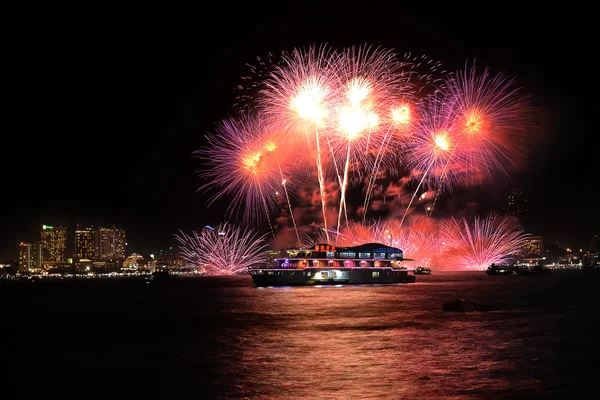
x: 476, y: 245
x: 365, y: 118
x: 240, y: 164
x: 224, y: 250
x: 491, y: 118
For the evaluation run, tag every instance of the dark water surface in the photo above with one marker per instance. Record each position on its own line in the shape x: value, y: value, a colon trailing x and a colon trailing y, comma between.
x: 222, y: 338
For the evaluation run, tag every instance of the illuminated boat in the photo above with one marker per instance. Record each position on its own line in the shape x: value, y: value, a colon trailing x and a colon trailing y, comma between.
x: 536, y: 270
x: 161, y: 274
x: 500, y: 270
x: 422, y: 271
x: 371, y: 263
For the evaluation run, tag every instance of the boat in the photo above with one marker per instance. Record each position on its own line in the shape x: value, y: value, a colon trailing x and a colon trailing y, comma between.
x: 500, y: 270
x: 537, y: 270
x: 422, y: 271
x: 324, y: 264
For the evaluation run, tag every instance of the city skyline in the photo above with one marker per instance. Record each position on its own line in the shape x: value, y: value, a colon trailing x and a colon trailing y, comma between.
x: 509, y: 207
x: 59, y: 246
x: 143, y: 102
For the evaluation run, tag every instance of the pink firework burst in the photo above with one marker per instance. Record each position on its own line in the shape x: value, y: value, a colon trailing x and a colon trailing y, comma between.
x: 432, y: 151
x: 224, y: 250
x: 238, y: 164
x: 418, y: 238
x: 476, y: 244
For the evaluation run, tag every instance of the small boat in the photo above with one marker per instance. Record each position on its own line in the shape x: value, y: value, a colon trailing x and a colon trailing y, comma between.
x: 500, y: 270
x: 422, y: 271
x: 537, y: 270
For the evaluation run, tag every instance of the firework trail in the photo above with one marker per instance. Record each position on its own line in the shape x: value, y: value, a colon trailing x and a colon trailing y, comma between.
x: 271, y: 146
x: 477, y: 244
x: 425, y: 79
x: 225, y: 250
x: 298, y: 94
x: 401, y: 122
x: 369, y: 81
x: 432, y: 147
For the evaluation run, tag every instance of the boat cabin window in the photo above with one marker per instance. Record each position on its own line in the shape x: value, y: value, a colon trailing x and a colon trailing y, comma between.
x: 378, y: 256
x: 347, y: 254
x: 364, y: 255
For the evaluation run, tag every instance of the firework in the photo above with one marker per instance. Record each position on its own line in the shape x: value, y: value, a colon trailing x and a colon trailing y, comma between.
x: 224, y: 250
x: 248, y: 92
x: 433, y: 146
x: 368, y: 82
x: 298, y: 95
x: 477, y: 244
x: 365, y: 118
x: 419, y: 238
x: 239, y: 164
x: 491, y: 118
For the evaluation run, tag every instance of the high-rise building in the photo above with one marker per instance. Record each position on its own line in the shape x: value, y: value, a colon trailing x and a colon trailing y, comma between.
x: 85, y: 243
x: 516, y: 205
x: 111, y: 244
x: 53, y: 244
x: 29, y: 257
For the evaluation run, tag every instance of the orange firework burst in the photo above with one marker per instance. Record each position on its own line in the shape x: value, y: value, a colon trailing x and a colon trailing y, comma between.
x: 491, y: 118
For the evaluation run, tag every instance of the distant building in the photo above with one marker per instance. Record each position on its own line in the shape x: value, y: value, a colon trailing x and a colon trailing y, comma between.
x: 516, y: 205
x: 533, y: 247
x: 86, y: 243
x: 53, y: 245
x: 111, y: 244
x: 29, y: 257
x: 134, y: 261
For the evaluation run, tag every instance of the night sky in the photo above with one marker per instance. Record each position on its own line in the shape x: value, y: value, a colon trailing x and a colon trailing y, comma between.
x: 107, y: 103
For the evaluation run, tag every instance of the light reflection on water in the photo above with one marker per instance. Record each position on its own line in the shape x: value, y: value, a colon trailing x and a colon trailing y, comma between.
x: 224, y: 338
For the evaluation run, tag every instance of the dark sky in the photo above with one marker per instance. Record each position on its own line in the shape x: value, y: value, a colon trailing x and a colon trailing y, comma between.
x: 107, y: 102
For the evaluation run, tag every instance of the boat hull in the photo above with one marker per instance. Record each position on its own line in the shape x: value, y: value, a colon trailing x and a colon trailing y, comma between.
x: 422, y: 272
x: 328, y: 276
x: 504, y: 271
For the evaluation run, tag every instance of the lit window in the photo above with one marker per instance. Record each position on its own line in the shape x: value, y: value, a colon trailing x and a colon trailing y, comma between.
x: 347, y: 254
